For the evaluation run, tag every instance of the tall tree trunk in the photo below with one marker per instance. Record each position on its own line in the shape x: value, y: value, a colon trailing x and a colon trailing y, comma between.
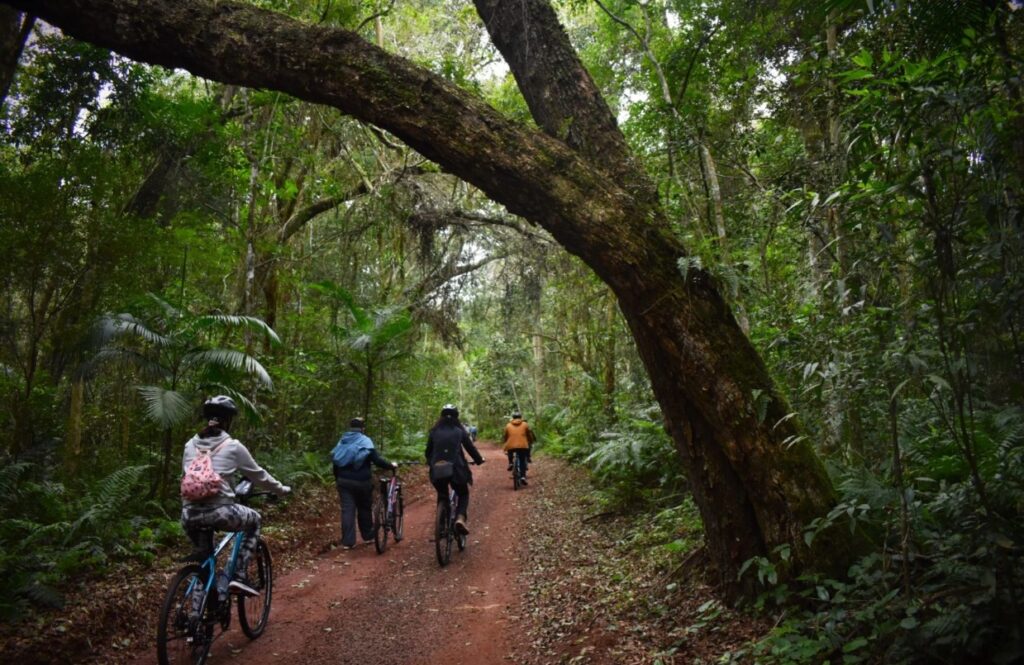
x: 15, y: 28
x: 609, y: 361
x: 755, y: 478
x: 73, y: 436
x: 715, y: 209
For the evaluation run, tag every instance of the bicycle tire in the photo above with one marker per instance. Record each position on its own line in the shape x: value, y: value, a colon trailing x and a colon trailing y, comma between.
x: 442, y: 534
x: 254, y: 611
x: 182, y: 636
x: 399, y: 517
x: 517, y: 472
x: 380, y: 522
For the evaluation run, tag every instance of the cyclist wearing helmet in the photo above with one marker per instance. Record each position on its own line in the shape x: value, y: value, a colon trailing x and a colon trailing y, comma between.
x: 518, y: 436
x: 220, y: 512
x: 446, y: 442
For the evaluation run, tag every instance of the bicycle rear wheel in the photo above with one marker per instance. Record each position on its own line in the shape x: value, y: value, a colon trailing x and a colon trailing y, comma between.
x: 254, y: 611
x: 399, y: 517
x: 443, y: 534
x: 182, y: 636
x: 517, y: 471
x: 380, y: 522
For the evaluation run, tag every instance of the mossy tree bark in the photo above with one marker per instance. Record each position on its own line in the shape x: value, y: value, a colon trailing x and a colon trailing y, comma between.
x: 755, y: 479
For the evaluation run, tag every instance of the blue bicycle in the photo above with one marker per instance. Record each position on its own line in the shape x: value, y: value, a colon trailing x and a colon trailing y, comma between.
x: 198, y: 600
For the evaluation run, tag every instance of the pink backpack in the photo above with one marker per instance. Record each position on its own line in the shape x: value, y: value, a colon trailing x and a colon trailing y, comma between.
x: 200, y: 480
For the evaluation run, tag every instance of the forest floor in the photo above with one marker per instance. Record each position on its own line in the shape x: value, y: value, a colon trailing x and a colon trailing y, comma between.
x: 546, y: 578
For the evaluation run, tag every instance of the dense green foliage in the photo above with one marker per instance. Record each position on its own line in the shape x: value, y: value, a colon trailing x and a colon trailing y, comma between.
x: 850, y: 173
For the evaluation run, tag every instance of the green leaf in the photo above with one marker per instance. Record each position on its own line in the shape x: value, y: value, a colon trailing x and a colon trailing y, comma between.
x: 230, y: 359
x: 863, y: 59
x: 853, y: 645
x: 167, y: 408
x: 232, y: 321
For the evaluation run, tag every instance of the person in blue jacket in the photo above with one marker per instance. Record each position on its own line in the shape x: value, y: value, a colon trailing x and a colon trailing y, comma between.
x: 352, y: 458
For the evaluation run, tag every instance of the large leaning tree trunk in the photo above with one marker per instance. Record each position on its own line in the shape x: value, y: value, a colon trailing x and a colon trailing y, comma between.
x: 756, y: 480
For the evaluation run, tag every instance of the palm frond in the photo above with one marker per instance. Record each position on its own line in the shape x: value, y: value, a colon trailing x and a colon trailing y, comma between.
x: 126, y: 324
x: 235, y: 321
x: 167, y: 408
x: 248, y: 406
x: 230, y: 359
x: 392, y: 327
x: 360, y: 342
x: 169, y: 310
x: 332, y: 290
x: 128, y: 358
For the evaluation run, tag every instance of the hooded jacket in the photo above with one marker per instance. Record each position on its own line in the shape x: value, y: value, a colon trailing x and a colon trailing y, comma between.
x: 231, y: 457
x: 361, y: 473
x: 518, y: 435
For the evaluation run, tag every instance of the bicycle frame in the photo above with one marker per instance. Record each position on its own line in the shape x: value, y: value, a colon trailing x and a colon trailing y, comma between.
x: 392, y: 495
x: 453, y: 510
x: 209, y: 565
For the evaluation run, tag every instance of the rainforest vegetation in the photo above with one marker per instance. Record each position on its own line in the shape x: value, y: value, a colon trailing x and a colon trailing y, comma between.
x: 757, y: 266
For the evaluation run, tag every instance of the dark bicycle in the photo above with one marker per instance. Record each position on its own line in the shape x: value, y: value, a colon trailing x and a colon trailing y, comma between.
x: 444, y: 528
x: 198, y: 600
x: 518, y: 468
x: 388, y: 512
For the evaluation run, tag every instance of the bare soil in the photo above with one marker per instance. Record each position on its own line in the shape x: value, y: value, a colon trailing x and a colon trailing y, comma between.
x: 355, y: 606
x: 547, y: 577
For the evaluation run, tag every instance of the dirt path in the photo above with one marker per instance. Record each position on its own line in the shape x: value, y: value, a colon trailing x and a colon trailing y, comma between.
x: 355, y: 606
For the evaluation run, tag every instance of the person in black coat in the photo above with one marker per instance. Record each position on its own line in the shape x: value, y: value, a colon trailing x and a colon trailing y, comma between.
x: 446, y: 443
x: 355, y: 485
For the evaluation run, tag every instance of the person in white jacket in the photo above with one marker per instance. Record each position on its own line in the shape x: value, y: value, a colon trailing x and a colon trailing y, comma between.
x: 220, y: 511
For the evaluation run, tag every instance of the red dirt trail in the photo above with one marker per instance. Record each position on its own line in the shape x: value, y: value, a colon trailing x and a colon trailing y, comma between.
x: 355, y: 606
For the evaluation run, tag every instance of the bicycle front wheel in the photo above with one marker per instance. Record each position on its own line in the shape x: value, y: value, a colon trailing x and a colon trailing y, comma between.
x: 254, y: 611
x: 443, y: 534
x: 399, y: 517
x: 380, y: 523
x: 181, y: 635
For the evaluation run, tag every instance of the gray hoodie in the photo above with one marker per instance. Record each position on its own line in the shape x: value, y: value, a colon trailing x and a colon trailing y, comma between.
x: 231, y: 457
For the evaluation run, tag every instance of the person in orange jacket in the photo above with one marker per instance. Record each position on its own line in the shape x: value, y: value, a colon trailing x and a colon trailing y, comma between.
x: 518, y: 437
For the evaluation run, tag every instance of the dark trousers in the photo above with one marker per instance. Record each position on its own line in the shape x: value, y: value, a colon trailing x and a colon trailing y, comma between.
x: 461, y: 490
x: 524, y: 453
x: 356, y: 499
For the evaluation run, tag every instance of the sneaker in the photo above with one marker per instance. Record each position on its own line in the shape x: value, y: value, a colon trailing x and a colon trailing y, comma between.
x: 523, y: 480
x: 241, y: 585
x: 460, y: 526
x: 509, y: 467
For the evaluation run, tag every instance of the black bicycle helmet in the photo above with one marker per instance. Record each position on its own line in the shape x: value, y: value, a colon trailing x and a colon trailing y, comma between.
x: 220, y: 407
x: 450, y: 410
x: 516, y: 414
